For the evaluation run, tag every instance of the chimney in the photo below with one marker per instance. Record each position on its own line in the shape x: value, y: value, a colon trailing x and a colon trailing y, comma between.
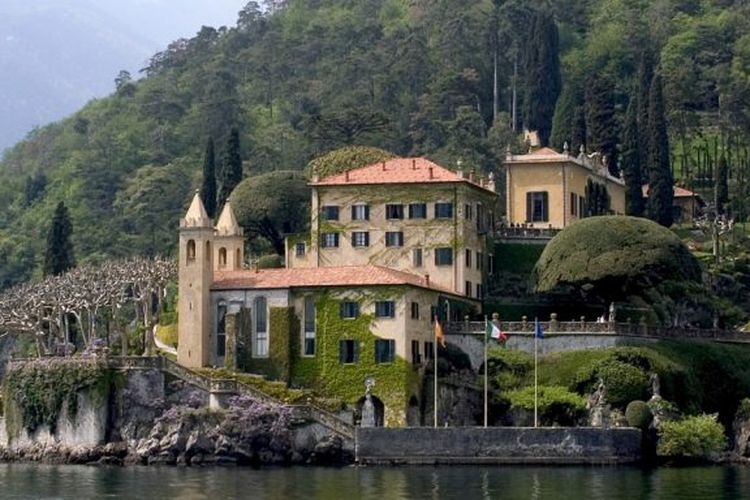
x: 256, y: 267
x: 431, y: 173
x: 346, y: 176
x: 472, y: 177
x: 383, y: 166
x: 413, y: 163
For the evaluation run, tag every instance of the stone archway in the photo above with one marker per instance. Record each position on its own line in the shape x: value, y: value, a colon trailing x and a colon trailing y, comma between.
x: 379, y: 410
x: 413, y: 413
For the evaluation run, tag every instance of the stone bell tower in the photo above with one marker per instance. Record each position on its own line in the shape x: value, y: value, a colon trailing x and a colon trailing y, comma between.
x: 229, y: 242
x: 195, y: 276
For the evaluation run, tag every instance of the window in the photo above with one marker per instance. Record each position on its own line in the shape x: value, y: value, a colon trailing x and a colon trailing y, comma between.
x: 394, y: 211
x: 417, y: 257
x: 468, y: 258
x: 468, y: 212
x: 222, y: 257
x: 444, y: 256
x: 360, y: 212
x: 573, y: 204
x: 491, y: 264
x: 309, y: 327
x: 385, y: 350
x: 261, y: 327
x: 221, y: 335
x: 385, y: 309
x: 348, y: 351
x: 480, y: 291
x: 415, y: 357
x: 581, y: 206
x: 349, y: 310
x: 482, y: 219
x: 443, y: 210
x: 329, y: 240
x: 191, y: 250
x: 429, y: 353
x: 394, y: 239
x: 537, y: 207
x: 480, y: 261
x: 467, y: 289
x: 299, y: 249
x: 329, y: 212
x: 417, y: 210
x: 360, y: 239
x: 415, y: 310
x: 433, y: 313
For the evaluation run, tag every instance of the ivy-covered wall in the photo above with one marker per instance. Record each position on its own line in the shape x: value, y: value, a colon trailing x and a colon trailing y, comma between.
x: 394, y: 382
x: 282, y: 326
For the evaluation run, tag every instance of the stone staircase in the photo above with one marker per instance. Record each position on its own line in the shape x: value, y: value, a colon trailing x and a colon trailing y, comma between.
x: 226, y: 387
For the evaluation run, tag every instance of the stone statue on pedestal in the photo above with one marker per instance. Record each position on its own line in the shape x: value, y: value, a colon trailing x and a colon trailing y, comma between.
x: 598, y: 408
x: 655, y: 386
x: 368, y: 408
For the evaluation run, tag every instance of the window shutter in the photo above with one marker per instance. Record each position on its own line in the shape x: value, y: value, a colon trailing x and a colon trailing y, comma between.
x: 529, y: 208
x: 367, y: 239
x: 367, y: 212
x: 354, y: 212
x: 545, y: 206
x: 355, y: 351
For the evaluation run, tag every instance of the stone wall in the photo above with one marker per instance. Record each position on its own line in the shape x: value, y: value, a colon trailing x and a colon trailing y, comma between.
x: 501, y: 445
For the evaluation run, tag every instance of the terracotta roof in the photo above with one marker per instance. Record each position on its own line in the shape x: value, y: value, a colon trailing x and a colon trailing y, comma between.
x: 396, y: 171
x: 318, y: 277
x: 678, y: 192
x: 545, y: 151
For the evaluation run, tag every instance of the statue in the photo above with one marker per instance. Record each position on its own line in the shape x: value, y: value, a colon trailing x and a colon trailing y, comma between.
x: 368, y: 408
x: 612, y: 312
x: 655, y: 386
x: 598, y: 407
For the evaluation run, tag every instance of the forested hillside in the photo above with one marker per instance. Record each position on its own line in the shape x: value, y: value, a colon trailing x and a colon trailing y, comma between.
x: 456, y: 80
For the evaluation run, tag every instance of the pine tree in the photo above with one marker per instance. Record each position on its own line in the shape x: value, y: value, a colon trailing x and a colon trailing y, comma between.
x: 722, y: 184
x: 208, y: 188
x: 601, y: 125
x: 661, y: 183
x: 542, y: 73
x: 231, y: 168
x: 630, y: 162
x: 645, y: 75
x: 59, y: 255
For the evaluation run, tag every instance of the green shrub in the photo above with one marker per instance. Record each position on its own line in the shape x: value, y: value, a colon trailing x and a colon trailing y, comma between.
x: 556, y: 404
x: 507, y: 368
x: 271, y: 261
x: 167, y: 334
x: 624, y: 382
x: 638, y: 415
x: 743, y: 412
x: 698, y: 436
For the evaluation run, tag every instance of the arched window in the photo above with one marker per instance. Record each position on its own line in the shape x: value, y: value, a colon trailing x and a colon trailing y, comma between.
x: 190, y: 251
x: 209, y: 256
x: 222, y: 257
x: 260, y: 309
x: 237, y: 259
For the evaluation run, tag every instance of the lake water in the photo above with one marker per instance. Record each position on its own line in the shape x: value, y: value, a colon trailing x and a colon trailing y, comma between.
x: 565, y: 483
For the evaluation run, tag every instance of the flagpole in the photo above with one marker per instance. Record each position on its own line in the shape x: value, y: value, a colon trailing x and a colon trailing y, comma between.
x: 435, y: 382
x: 536, y: 379
x: 485, y: 369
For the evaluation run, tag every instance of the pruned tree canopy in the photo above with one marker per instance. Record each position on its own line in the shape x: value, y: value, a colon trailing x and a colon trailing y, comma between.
x: 612, y: 257
x: 346, y: 158
x: 272, y: 205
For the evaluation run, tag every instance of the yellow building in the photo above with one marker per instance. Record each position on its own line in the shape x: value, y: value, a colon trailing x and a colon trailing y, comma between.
x: 547, y: 189
x: 392, y: 246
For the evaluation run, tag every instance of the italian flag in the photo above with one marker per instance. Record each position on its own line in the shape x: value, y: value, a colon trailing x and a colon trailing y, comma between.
x: 493, y: 332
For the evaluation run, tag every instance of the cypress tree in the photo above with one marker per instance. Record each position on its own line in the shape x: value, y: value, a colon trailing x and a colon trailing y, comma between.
x: 661, y: 183
x: 601, y: 126
x: 722, y: 184
x: 568, y: 124
x: 59, y: 255
x: 208, y: 188
x: 630, y: 162
x: 541, y: 66
x: 645, y: 75
x: 231, y: 168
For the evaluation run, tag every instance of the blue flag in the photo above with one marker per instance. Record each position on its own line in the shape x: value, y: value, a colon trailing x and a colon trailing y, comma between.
x: 538, y: 332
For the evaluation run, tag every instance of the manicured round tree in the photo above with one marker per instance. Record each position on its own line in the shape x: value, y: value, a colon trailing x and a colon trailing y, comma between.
x: 346, y: 158
x: 273, y: 205
x: 613, y: 257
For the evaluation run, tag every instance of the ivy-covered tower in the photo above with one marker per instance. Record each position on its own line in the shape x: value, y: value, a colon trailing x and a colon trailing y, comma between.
x: 195, y: 277
x: 229, y: 241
